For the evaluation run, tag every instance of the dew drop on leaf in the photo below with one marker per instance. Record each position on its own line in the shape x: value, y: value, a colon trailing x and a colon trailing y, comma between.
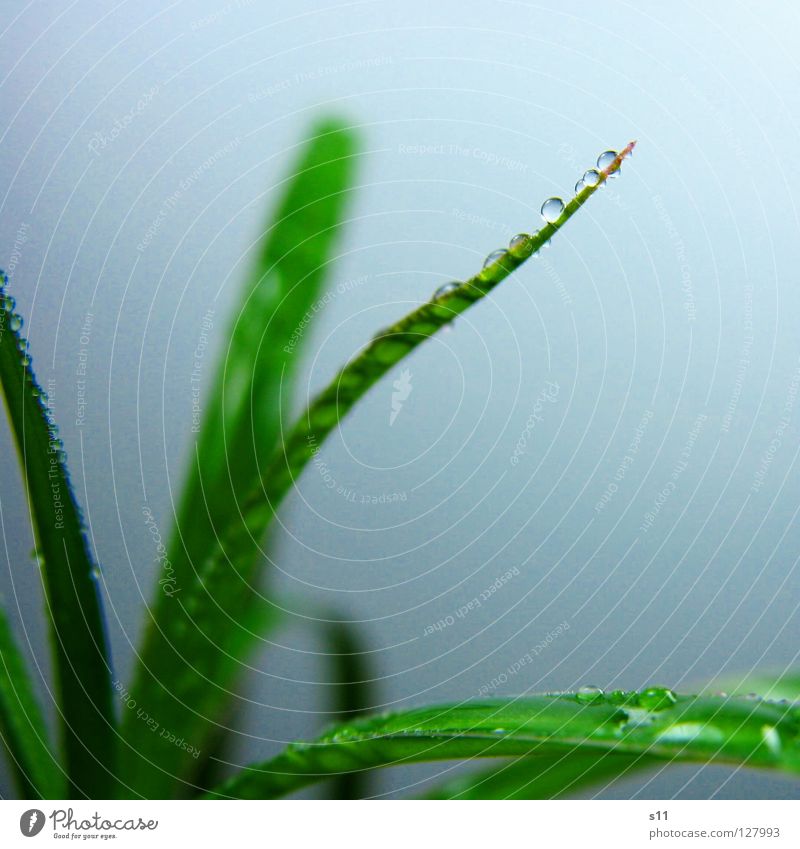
x: 493, y: 257
x: 657, y: 698
x: 591, y: 177
x: 690, y: 732
x: 589, y: 694
x: 446, y: 289
x: 772, y: 739
x: 552, y: 210
x: 606, y: 160
x: 520, y: 245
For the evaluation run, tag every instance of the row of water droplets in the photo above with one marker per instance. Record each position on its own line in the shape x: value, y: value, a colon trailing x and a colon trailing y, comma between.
x: 13, y: 321
x: 637, y: 709
x: 552, y: 209
x: 652, y: 698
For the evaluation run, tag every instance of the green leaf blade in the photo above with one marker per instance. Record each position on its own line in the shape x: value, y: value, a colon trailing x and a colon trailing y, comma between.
x: 571, y: 774
x: 70, y: 575
x: 692, y: 728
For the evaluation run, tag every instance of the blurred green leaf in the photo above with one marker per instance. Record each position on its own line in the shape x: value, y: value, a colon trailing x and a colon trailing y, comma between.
x: 353, y: 693
x: 22, y: 728
x: 197, y: 639
x: 70, y: 575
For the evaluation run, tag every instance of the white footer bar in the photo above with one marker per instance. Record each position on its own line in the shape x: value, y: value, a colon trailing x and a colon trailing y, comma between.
x: 404, y: 825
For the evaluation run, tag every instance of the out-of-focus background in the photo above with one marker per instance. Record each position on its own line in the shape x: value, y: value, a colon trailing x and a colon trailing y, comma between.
x: 604, y: 451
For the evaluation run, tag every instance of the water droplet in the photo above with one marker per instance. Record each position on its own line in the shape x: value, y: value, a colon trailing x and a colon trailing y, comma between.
x: 96, y: 574
x: 579, y: 187
x: 26, y: 360
x: 493, y: 257
x: 552, y: 210
x: 591, y: 177
x: 686, y: 732
x: 15, y: 322
x: 589, y: 694
x: 772, y: 739
x: 657, y: 698
x: 446, y: 289
x: 520, y: 245
x: 606, y: 159
x: 22, y: 345
x: 500, y: 731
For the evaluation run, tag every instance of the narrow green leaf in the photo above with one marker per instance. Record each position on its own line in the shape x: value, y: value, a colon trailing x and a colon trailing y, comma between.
x: 657, y: 724
x: 73, y: 602
x: 22, y: 727
x: 543, y: 776
x: 391, y: 345
x: 230, y: 561
x: 197, y: 639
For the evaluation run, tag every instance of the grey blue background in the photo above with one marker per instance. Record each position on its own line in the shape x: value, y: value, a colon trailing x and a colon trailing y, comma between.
x: 673, y: 294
